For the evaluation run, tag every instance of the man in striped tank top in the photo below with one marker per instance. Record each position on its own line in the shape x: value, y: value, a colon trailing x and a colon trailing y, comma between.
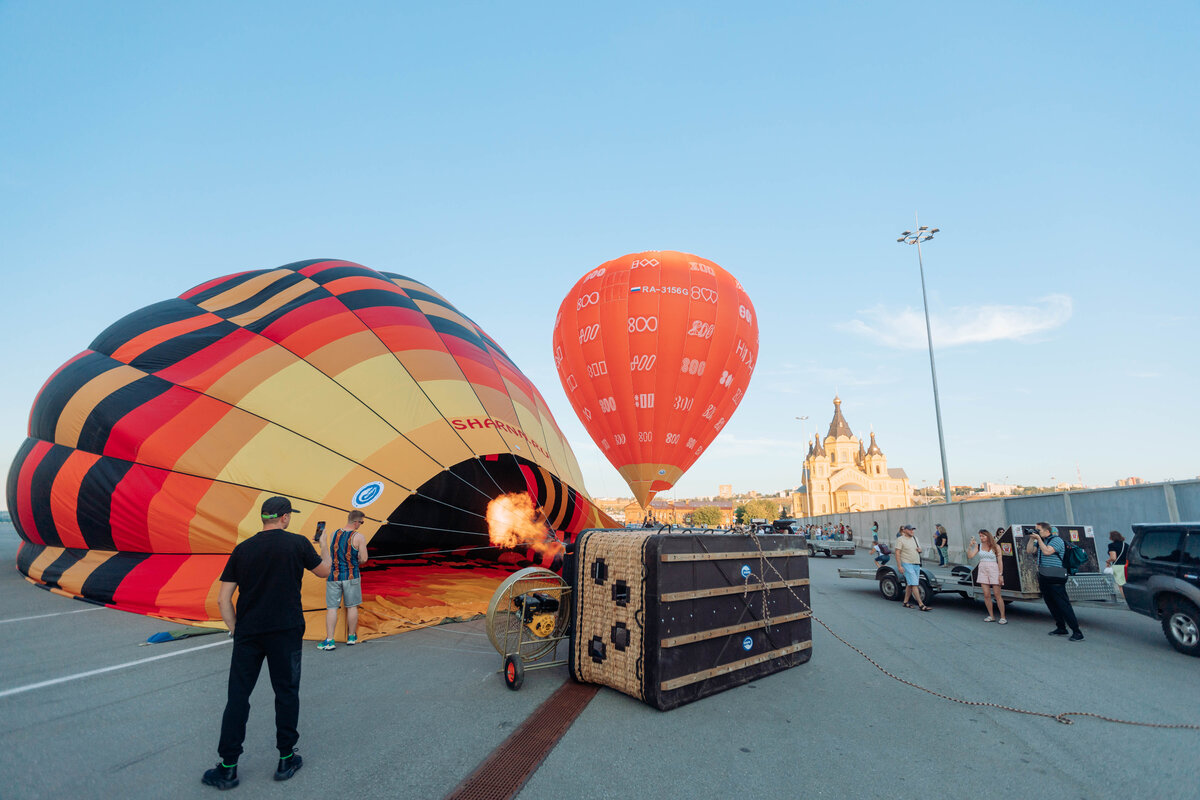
x: 347, y: 549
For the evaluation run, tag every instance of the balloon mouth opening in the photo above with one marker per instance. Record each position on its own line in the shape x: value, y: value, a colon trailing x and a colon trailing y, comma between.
x: 496, y: 510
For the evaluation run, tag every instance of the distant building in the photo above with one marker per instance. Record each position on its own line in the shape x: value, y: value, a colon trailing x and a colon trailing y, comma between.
x: 998, y: 488
x: 840, y: 475
x: 1130, y: 482
x: 725, y: 490
x: 676, y: 512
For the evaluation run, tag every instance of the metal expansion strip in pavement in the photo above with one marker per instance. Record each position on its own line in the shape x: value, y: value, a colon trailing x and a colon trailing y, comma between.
x: 502, y: 774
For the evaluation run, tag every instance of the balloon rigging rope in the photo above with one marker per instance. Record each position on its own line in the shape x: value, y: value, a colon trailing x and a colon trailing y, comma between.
x: 1063, y: 717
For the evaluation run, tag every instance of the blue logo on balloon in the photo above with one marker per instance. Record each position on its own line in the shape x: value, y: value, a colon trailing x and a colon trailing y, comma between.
x: 747, y: 643
x: 745, y: 570
x: 368, y: 494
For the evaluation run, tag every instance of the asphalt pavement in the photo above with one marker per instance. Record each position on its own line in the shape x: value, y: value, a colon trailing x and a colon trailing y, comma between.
x: 87, y: 710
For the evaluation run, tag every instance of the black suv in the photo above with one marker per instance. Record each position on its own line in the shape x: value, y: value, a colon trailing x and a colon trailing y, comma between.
x: 1163, y: 580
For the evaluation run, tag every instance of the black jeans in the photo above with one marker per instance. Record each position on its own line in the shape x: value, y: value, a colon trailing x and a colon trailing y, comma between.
x: 1055, y: 595
x: 281, y: 649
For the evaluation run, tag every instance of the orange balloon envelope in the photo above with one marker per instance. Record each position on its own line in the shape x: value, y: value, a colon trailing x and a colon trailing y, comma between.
x: 655, y: 351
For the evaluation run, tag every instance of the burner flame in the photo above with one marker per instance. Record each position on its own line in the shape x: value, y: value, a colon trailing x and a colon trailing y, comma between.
x: 514, y: 521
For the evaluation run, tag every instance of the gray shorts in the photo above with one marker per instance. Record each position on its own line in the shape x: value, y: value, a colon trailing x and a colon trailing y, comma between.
x: 350, y: 590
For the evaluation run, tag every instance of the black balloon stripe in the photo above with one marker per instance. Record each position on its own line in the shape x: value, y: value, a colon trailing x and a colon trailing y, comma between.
x: 93, y: 436
x: 376, y: 298
x: 27, y: 555
x: 172, y: 351
x: 143, y: 320
x: 417, y: 294
x: 39, y: 500
x: 263, y: 295
x: 106, y: 578
x: 296, y: 266
x: 337, y: 273
x: 65, y: 560
x: 43, y: 421
x: 452, y: 328
x: 555, y: 486
x: 94, y: 507
x: 261, y: 324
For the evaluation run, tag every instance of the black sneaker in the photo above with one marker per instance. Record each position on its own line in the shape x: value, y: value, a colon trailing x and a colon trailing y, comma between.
x: 1059, y: 632
x: 1077, y: 636
x: 288, y: 766
x: 221, y: 776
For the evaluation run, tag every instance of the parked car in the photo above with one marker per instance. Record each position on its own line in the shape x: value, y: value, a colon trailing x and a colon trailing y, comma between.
x: 787, y: 525
x: 1163, y: 580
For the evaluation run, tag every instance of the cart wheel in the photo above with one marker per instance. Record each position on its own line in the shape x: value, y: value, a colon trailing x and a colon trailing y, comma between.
x: 514, y: 672
x: 889, y: 587
x: 839, y: 555
x: 827, y: 554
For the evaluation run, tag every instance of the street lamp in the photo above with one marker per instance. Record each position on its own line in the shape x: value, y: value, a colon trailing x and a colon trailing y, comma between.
x: 924, y: 234
x: 804, y: 469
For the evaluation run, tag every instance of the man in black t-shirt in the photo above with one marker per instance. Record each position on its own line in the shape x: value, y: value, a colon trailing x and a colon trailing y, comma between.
x: 267, y: 570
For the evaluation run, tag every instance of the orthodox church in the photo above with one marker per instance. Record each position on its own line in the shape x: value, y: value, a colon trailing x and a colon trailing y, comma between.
x: 841, y: 475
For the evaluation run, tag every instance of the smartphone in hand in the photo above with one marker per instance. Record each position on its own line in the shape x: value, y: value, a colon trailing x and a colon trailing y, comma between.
x: 320, y: 530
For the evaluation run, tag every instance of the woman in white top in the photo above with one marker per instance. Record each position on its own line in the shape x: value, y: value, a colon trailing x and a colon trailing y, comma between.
x: 991, y: 577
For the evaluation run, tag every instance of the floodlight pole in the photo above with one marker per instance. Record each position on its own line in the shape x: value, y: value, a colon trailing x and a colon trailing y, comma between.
x: 924, y: 234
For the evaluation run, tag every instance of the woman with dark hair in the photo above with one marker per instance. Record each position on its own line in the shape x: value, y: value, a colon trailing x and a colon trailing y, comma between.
x: 1118, y: 556
x: 941, y: 541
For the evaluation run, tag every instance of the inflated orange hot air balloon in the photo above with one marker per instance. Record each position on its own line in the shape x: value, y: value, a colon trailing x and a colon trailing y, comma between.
x: 655, y: 351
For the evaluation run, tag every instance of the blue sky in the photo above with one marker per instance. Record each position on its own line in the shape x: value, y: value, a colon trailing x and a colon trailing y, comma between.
x: 499, y: 151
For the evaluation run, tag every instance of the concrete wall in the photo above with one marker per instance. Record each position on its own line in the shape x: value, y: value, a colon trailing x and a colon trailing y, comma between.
x: 1116, y: 508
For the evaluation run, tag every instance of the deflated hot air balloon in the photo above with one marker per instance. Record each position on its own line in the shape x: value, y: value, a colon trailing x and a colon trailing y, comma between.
x: 339, y: 387
x: 655, y: 351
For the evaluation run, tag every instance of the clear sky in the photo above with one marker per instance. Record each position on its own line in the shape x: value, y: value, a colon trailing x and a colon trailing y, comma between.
x: 498, y: 151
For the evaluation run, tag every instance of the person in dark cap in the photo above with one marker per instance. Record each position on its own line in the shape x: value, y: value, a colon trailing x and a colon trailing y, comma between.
x: 268, y: 623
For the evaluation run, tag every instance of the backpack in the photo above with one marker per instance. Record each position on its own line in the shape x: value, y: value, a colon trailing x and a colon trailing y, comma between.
x: 1073, y: 558
x: 884, y: 549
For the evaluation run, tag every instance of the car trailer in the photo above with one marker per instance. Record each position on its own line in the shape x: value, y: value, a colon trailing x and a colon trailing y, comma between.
x: 1087, y: 588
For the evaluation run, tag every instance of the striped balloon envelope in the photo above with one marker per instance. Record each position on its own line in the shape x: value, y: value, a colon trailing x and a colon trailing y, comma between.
x: 150, y: 453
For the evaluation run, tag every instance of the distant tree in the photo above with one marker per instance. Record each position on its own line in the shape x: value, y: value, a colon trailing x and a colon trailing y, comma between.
x: 708, y: 516
x: 761, y: 509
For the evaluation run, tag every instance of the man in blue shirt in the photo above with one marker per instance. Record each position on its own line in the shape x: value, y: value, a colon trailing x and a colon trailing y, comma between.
x: 1050, y: 547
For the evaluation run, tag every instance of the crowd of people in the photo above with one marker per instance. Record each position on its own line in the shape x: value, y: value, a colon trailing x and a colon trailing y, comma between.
x: 1044, y: 542
x: 836, y: 533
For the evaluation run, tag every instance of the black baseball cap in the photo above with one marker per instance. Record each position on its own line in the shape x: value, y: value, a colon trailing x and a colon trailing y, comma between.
x: 276, y: 507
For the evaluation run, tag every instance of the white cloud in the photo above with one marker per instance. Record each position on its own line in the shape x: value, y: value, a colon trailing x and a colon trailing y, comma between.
x: 962, y: 325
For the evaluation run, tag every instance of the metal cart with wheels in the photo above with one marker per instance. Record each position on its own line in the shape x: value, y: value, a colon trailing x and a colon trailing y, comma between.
x: 527, y: 618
